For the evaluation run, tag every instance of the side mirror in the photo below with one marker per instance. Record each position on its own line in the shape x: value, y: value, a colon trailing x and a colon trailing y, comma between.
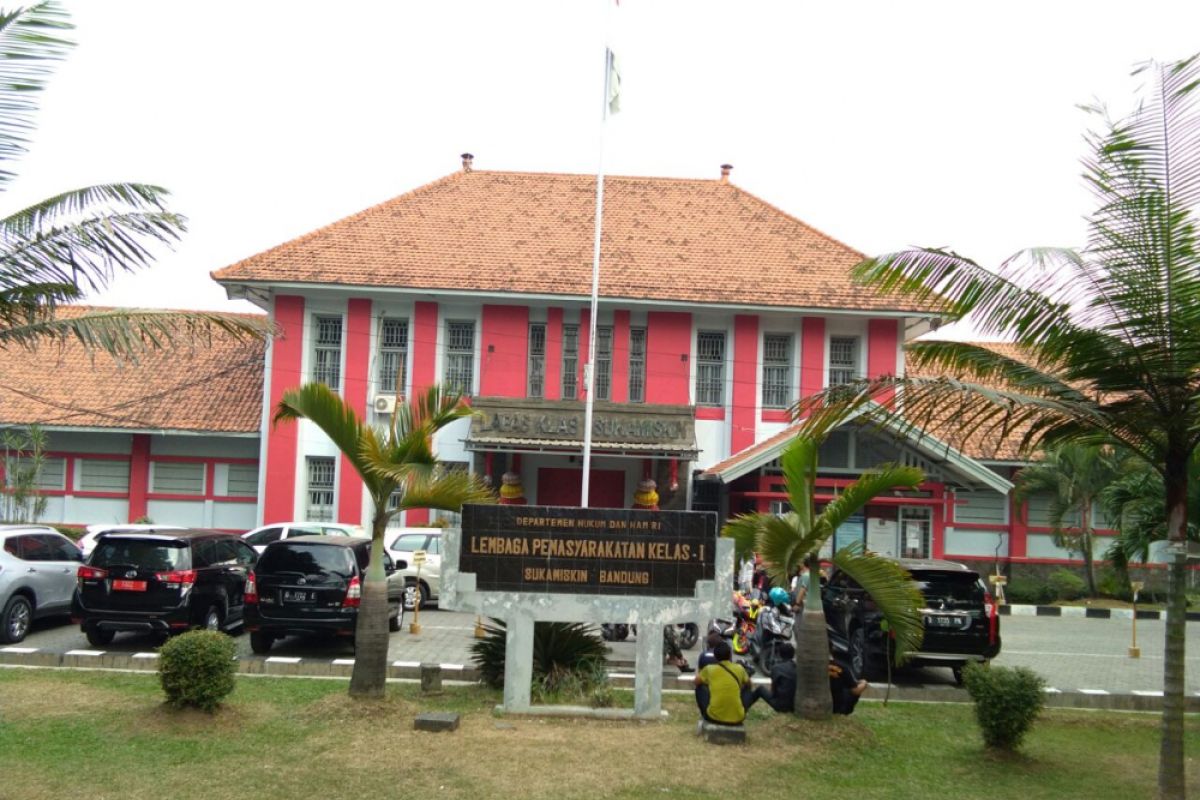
x: 400, y: 564
x: 389, y: 569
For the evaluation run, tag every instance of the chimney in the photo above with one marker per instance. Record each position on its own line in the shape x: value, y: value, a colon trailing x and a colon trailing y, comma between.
x: 725, y: 168
x: 467, y: 159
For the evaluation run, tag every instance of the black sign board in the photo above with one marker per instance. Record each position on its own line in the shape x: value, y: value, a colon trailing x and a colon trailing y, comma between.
x: 604, y: 551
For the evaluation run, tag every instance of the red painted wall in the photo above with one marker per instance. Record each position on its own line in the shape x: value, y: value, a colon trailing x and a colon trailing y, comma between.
x: 286, y: 351
x: 883, y: 342
x: 585, y: 333
x: 425, y: 336
x: 139, y: 476
x: 812, y: 356
x: 354, y: 393
x: 745, y: 389
x: 554, y: 336
x: 668, y: 356
x: 505, y: 351
x: 619, y: 392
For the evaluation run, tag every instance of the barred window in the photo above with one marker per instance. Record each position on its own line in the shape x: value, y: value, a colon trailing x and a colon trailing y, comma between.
x: 176, y: 478
x: 710, y: 368
x: 777, y: 370
x: 637, y: 365
x: 537, y: 360
x: 103, y: 475
x: 843, y: 359
x: 242, y: 480
x: 603, y: 362
x: 320, y: 489
x: 50, y: 474
x: 327, y: 352
x: 460, y: 356
x: 570, y: 363
x: 393, y: 356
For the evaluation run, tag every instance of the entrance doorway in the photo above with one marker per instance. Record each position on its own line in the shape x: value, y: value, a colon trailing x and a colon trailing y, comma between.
x: 562, y: 486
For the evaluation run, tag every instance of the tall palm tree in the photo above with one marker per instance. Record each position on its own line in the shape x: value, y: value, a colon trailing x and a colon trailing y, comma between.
x: 788, y: 541
x: 1135, y: 502
x: 400, y: 470
x: 1072, y: 477
x: 1110, y: 332
x: 54, y: 252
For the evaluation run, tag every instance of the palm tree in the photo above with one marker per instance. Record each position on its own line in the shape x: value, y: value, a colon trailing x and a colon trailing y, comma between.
x: 786, y: 542
x: 1073, y: 476
x: 53, y: 252
x: 1135, y: 501
x: 400, y: 470
x: 1110, y: 332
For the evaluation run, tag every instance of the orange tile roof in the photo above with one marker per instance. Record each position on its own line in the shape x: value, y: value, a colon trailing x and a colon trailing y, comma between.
x: 666, y: 239
x: 217, y: 389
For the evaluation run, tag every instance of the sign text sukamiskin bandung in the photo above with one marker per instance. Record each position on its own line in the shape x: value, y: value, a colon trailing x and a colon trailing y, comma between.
x: 587, y: 550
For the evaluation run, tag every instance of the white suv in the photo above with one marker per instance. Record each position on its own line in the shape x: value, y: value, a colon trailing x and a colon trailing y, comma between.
x: 259, y: 538
x: 400, y: 544
x: 38, y: 566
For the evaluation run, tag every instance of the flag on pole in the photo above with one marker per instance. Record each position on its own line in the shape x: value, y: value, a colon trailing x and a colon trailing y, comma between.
x: 614, y: 83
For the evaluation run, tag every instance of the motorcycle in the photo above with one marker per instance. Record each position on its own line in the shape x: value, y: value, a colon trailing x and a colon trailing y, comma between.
x: 774, y: 629
x: 686, y: 633
x: 746, y: 611
x: 614, y: 631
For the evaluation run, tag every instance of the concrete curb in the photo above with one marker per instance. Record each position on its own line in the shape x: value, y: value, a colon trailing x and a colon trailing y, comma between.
x: 1085, y: 612
x: 461, y: 674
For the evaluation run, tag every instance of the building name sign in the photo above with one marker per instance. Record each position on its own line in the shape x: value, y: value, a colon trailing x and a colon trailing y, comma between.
x: 588, y: 551
x: 671, y: 425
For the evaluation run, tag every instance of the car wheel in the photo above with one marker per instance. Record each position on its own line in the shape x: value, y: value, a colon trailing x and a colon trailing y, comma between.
x: 212, y: 619
x: 17, y: 617
x: 98, y: 637
x: 261, y: 642
x: 689, y: 634
x: 858, y: 652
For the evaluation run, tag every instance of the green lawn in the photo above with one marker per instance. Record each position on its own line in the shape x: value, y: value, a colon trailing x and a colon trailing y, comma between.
x: 107, y: 735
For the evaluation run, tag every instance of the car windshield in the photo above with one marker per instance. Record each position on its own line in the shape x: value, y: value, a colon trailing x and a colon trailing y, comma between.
x: 409, y: 542
x: 145, y: 553
x: 307, y: 559
x: 953, y: 589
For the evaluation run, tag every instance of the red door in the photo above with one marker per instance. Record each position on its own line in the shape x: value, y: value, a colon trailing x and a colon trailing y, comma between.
x: 560, y: 486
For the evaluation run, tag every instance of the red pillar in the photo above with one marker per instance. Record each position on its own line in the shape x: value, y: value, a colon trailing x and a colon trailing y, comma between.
x: 668, y: 356
x: 619, y: 391
x: 505, y: 351
x: 554, y: 343
x: 1018, y: 528
x: 425, y: 337
x: 279, y: 503
x: 812, y: 356
x: 354, y: 393
x: 883, y: 350
x: 745, y: 373
x: 139, y: 476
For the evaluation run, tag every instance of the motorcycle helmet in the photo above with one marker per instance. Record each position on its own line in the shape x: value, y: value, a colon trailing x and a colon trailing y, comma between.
x: 779, y: 596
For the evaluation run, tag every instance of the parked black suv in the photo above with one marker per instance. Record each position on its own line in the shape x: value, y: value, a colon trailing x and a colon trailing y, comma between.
x: 307, y: 585
x: 161, y: 582
x: 962, y: 623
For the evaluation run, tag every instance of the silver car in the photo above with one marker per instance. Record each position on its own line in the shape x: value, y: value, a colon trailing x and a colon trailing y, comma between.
x: 38, y: 566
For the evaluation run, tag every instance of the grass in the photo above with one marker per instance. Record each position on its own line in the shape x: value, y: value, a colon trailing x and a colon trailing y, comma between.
x: 108, y: 735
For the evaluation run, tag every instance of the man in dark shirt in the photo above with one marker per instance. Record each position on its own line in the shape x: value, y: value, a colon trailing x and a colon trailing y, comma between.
x: 782, y: 694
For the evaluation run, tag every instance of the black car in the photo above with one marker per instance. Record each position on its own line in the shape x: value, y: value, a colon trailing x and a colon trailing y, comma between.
x: 162, y: 582
x: 308, y: 585
x: 962, y: 623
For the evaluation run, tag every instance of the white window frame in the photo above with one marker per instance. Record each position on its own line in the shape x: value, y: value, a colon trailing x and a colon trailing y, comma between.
x: 637, y: 365
x: 318, y: 491
x: 453, y: 371
x: 535, y: 379
x: 393, y: 357
x: 321, y: 373
x: 710, y: 372
x: 570, y: 377
x: 782, y: 386
x: 842, y: 372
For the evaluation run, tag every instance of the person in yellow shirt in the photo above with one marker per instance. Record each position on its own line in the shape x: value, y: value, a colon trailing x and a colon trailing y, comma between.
x: 723, y: 689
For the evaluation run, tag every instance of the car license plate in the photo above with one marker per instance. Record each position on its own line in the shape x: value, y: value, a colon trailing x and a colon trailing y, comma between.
x: 940, y: 622
x: 292, y: 596
x: 129, y: 586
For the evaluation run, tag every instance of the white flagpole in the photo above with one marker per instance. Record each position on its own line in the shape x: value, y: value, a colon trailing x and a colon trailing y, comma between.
x: 589, y: 370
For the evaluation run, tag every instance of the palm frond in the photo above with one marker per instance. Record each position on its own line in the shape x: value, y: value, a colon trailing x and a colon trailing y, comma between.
x: 429, y: 412
x: 79, y: 204
x: 322, y: 406
x: 784, y: 546
x: 87, y: 254
x: 895, y: 594
x: 31, y: 45
x: 125, y: 333
x: 744, y: 529
x: 869, y: 485
x: 446, y: 490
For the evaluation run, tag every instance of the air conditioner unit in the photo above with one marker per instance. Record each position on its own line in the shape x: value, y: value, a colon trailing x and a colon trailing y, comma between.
x: 385, y: 403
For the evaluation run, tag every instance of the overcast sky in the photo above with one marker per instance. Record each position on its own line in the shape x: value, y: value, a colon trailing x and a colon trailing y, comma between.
x: 883, y: 124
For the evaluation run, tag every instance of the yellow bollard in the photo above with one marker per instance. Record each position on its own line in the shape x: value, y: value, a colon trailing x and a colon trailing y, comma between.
x: 479, y: 631
x: 1134, y: 650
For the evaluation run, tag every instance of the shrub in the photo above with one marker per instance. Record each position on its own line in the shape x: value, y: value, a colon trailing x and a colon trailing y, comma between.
x: 196, y: 669
x: 568, y: 659
x: 1067, y: 585
x: 1114, y: 584
x: 1027, y: 590
x: 1007, y: 701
